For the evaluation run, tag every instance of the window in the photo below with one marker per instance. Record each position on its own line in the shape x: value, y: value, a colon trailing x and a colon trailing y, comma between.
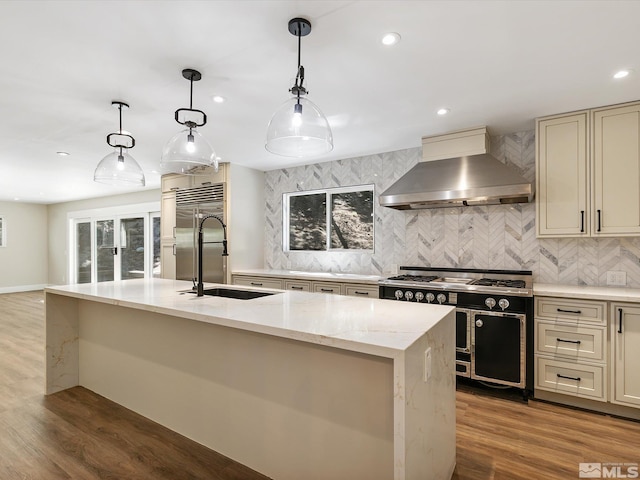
x: 3, y: 232
x: 346, y: 224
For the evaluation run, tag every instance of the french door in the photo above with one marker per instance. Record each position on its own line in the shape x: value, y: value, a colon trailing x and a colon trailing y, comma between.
x: 117, y: 247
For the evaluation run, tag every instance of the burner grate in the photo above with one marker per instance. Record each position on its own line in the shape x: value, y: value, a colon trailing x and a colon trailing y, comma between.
x: 493, y: 282
x: 415, y: 278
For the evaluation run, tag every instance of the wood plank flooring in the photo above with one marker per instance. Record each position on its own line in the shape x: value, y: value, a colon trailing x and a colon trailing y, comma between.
x: 77, y: 434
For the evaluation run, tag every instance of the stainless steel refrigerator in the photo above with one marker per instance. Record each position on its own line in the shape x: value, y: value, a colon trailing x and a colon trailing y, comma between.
x: 193, y: 204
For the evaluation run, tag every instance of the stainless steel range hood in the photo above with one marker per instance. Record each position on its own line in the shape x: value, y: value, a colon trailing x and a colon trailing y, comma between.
x: 455, y: 182
x: 465, y: 180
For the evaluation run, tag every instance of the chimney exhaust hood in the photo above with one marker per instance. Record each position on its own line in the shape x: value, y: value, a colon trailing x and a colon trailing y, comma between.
x: 473, y: 177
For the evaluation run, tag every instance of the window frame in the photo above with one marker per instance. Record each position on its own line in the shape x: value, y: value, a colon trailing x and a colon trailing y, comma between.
x: 328, y: 192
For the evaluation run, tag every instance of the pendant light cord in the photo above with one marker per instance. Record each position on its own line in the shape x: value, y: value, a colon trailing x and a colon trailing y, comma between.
x: 300, y: 74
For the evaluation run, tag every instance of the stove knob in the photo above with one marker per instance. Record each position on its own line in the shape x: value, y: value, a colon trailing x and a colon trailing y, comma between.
x: 504, y: 303
x: 479, y: 323
x: 490, y: 302
x: 399, y: 294
x: 430, y: 297
x: 441, y: 298
x: 408, y: 295
x: 419, y: 296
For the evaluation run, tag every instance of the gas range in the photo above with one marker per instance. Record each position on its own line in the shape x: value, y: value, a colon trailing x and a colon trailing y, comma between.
x: 494, y: 318
x: 499, y: 282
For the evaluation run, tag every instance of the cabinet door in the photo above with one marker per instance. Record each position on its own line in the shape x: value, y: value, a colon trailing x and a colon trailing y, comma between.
x: 616, y: 171
x: 168, y: 217
x: 327, y: 287
x: 173, y: 181
x: 561, y: 175
x: 625, y: 340
x: 168, y: 260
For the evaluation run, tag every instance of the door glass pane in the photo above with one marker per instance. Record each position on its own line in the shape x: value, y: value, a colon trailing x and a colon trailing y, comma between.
x: 155, y: 230
x: 83, y: 252
x: 131, y: 248
x: 104, y: 250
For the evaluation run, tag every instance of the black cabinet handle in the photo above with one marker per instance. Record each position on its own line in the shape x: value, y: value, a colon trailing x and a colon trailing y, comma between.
x: 581, y: 221
x: 256, y: 284
x: 577, y: 379
x: 577, y: 312
x: 114, y: 251
x: 296, y: 287
x: 619, y: 320
x: 361, y: 293
x: 326, y: 290
x: 599, y: 220
x: 577, y: 342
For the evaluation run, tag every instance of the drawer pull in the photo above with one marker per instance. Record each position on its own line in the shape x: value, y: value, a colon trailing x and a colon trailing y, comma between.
x: 361, y: 293
x: 256, y: 284
x: 577, y: 379
x: 577, y: 342
x: 577, y: 312
x: 619, y: 320
x: 330, y: 290
x: 581, y: 221
x: 296, y: 287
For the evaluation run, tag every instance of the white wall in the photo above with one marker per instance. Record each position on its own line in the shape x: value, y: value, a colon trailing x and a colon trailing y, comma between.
x: 23, y: 262
x: 58, y: 227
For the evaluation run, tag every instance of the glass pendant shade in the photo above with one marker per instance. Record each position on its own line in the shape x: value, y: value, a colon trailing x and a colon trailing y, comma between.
x: 187, y: 152
x: 119, y: 168
x: 299, y: 129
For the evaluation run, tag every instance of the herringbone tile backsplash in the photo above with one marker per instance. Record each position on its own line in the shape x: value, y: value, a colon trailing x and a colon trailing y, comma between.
x: 496, y: 237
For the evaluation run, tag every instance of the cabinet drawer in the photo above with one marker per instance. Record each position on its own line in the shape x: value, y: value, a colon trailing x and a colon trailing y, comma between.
x: 297, y: 285
x: 570, y: 341
x: 174, y: 181
x: 365, y: 291
x: 327, y: 287
x: 569, y: 310
x: 569, y: 378
x: 258, y: 282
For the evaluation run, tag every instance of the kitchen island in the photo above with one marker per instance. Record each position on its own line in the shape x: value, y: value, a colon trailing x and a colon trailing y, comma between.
x: 294, y: 385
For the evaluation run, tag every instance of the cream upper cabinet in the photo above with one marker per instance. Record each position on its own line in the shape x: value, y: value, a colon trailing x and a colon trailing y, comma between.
x: 616, y: 170
x: 588, y: 173
x: 625, y: 353
x: 562, y: 175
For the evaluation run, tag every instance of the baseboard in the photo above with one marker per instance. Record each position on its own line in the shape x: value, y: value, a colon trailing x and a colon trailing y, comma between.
x: 23, y: 288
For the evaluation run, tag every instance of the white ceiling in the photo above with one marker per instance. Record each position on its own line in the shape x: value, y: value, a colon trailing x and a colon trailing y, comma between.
x: 494, y: 63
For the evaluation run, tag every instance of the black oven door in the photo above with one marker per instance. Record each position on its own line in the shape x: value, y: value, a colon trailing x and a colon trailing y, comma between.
x: 463, y: 342
x: 498, y: 348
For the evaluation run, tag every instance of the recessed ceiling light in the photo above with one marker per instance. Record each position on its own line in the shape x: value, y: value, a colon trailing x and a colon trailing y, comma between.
x: 391, y: 38
x: 63, y: 154
x: 621, y: 74
x: 16, y: 199
x: 443, y: 111
x: 218, y: 99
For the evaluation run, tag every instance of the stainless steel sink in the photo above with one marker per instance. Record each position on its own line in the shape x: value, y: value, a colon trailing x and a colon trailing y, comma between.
x: 233, y: 293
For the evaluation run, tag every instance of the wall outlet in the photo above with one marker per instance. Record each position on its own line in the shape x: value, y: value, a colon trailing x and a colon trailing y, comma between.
x: 616, y: 278
x: 427, y: 364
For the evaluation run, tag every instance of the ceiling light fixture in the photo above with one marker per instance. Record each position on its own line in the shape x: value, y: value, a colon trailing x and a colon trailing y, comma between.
x: 63, y: 154
x: 443, y: 111
x: 188, y: 152
x: 621, y: 74
x: 218, y: 99
x: 119, y: 168
x: 298, y: 128
x: 391, y: 38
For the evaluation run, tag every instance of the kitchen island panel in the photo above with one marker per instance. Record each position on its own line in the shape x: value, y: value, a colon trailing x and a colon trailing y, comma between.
x: 282, y: 407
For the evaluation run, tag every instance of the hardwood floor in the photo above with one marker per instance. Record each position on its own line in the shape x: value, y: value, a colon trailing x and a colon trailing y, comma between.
x: 77, y: 434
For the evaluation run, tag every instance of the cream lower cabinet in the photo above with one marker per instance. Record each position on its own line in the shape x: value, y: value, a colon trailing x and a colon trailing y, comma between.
x: 625, y: 354
x: 588, y: 173
x: 168, y: 234
x: 571, y: 347
x: 303, y: 285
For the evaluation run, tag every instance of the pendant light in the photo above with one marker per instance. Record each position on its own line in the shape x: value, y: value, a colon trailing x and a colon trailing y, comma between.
x: 188, y: 152
x: 119, y: 168
x: 298, y: 128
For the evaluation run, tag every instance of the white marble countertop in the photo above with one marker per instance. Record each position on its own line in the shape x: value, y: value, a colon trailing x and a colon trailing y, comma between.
x: 377, y: 327
x: 587, y: 292
x: 318, y: 276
